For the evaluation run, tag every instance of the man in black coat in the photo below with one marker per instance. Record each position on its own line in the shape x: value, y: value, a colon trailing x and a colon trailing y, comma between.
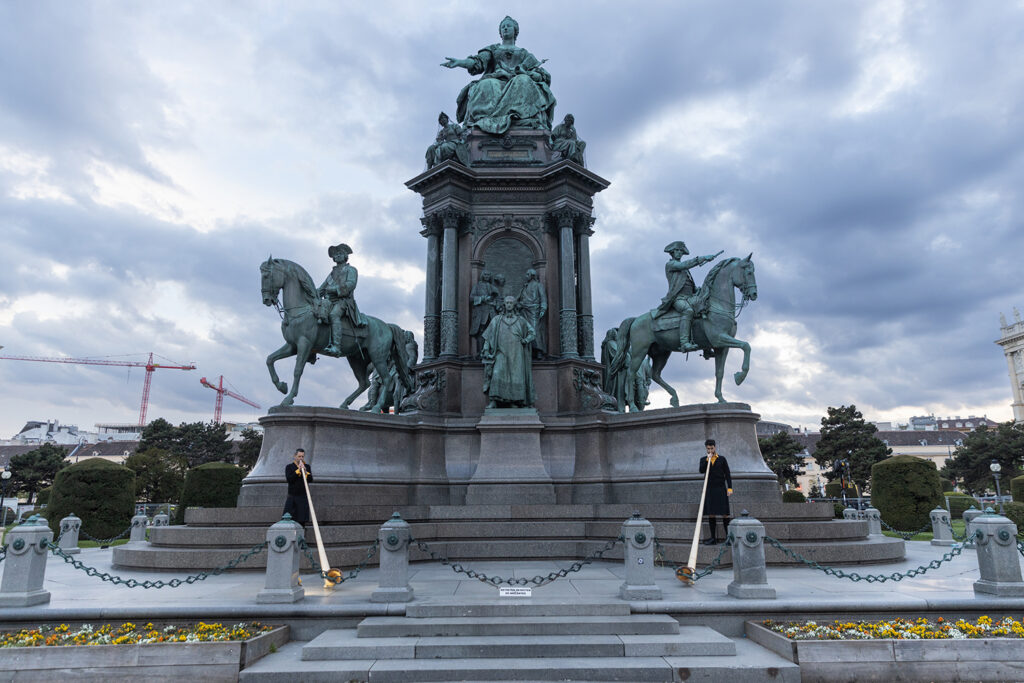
x: 716, y: 500
x: 296, y: 504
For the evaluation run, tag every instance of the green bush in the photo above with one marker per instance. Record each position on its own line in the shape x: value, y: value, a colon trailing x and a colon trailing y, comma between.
x: 946, y: 484
x: 1015, y: 513
x: 905, y: 490
x: 213, y: 485
x: 43, y: 497
x: 1017, y: 489
x: 834, y: 489
x: 958, y: 502
x: 98, y: 491
x: 837, y: 509
x: 793, y: 496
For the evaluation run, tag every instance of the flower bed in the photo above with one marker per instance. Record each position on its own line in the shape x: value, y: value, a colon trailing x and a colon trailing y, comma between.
x: 898, y: 649
x: 203, y: 651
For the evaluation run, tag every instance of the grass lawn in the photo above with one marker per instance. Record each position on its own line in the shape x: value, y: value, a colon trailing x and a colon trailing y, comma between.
x: 958, y: 532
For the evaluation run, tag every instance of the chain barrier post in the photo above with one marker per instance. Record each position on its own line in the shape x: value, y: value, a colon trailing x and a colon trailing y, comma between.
x: 25, y: 566
x: 998, y: 560
x: 749, y: 572
x: 969, y: 516
x: 852, y: 513
x: 68, y: 540
x: 282, y: 583
x: 138, y: 534
x: 942, y: 532
x: 874, y: 518
x: 161, y: 520
x: 639, y: 557
x: 393, y: 585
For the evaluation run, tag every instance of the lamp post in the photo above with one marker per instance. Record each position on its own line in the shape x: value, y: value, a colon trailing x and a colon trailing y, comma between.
x: 5, y: 476
x: 996, y: 468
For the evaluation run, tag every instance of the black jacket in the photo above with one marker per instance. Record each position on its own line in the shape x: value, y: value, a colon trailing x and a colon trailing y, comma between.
x: 291, y: 475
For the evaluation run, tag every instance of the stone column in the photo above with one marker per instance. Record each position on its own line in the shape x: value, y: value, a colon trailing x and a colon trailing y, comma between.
x: 874, y: 518
x: 942, y: 533
x: 25, y: 565
x: 585, y: 323
x: 394, y: 585
x: 449, y: 285
x: 639, y: 558
x: 998, y: 559
x: 161, y: 520
x: 852, y: 513
x: 69, y: 528
x: 749, y: 574
x: 432, y: 308
x: 138, y: 533
x: 969, y: 516
x: 564, y: 219
x: 282, y: 583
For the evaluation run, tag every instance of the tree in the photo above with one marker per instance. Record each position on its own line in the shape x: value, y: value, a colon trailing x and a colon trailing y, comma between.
x: 971, y: 460
x: 158, y: 477
x: 781, y: 454
x: 249, y: 448
x: 159, y: 434
x: 846, y: 436
x: 190, y: 443
x: 36, y: 469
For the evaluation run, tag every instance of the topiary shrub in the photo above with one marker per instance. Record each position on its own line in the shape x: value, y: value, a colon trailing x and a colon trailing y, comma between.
x: 213, y: 485
x: 793, y: 496
x: 958, y: 502
x: 98, y: 491
x: 834, y: 489
x: 838, y: 510
x: 43, y: 497
x: 1014, y: 512
x: 1017, y: 489
x: 946, y: 484
x: 905, y: 489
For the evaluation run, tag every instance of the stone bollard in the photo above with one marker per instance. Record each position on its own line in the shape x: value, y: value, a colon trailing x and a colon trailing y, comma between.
x: 25, y: 565
x: 639, y: 557
x: 998, y: 559
x: 69, y: 528
x: 393, y: 585
x: 942, y: 532
x: 852, y: 513
x: 749, y: 575
x: 138, y: 534
x: 282, y: 583
x: 969, y: 515
x: 874, y: 518
x: 161, y: 520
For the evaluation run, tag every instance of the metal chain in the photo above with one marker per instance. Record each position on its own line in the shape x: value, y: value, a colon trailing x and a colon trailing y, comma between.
x: 370, y: 552
x: 101, y: 541
x: 707, y: 571
x: 3, y: 553
x: 1020, y: 548
x: 954, y: 534
x: 173, y: 583
x: 537, y: 580
x: 907, y: 535
x: 870, y: 578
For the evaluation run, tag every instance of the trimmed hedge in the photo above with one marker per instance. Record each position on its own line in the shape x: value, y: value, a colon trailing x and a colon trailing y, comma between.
x: 946, y: 484
x: 793, y: 496
x: 101, y: 493
x: 43, y: 497
x: 213, y: 485
x: 1015, y: 513
x: 834, y: 489
x: 905, y: 490
x: 1017, y: 489
x: 958, y: 503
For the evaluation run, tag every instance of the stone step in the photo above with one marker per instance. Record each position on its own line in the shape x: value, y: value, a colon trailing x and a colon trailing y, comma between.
x: 633, y: 624
x: 516, y: 607
x: 341, y: 644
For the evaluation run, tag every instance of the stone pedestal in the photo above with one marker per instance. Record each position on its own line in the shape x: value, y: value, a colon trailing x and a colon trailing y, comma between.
x: 969, y: 516
x: 750, y: 578
x: 510, y: 469
x: 942, y: 532
x: 282, y: 583
x: 998, y: 559
x: 639, y: 558
x: 393, y: 585
x: 69, y: 528
x: 874, y: 518
x: 25, y: 565
x: 138, y: 532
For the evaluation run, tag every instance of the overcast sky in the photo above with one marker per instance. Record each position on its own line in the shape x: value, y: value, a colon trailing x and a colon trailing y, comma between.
x: 869, y: 154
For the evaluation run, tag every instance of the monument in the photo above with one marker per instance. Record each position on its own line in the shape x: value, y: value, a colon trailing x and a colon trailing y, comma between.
x: 513, y: 440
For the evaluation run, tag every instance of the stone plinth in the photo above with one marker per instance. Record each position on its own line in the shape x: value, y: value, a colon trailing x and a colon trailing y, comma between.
x: 510, y: 468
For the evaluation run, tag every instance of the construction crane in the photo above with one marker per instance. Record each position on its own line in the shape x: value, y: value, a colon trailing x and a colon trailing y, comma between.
x: 221, y: 392
x: 149, y: 365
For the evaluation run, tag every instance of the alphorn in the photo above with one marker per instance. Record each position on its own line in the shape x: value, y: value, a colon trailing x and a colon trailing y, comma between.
x: 685, y: 574
x: 325, y: 566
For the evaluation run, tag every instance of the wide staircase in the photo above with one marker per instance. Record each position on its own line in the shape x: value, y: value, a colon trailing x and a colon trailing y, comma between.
x: 521, y: 641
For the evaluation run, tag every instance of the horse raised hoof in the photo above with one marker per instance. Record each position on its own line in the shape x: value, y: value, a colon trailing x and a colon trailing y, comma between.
x: 282, y: 387
x: 739, y: 377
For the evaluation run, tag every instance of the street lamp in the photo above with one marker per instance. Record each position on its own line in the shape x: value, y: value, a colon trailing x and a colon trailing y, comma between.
x: 996, y: 468
x: 5, y: 476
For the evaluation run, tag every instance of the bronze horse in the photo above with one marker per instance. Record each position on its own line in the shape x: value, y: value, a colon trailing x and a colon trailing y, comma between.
x: 305, y: 336
x: 713, y: 331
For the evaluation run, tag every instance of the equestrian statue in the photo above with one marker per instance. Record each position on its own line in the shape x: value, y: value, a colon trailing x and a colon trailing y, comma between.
x: 326, y: 321
x: 688, y: 319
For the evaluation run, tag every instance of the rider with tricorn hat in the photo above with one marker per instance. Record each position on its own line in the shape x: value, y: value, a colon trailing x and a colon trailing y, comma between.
x: 338, y: 289
x: 681, y: 290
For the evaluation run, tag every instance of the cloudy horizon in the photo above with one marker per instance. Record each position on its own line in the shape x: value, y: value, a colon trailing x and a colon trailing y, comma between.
x: 868, y: 154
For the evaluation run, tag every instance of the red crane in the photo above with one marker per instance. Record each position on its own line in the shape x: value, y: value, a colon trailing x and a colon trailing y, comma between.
x: 149, y: 365
x: 221, y: 392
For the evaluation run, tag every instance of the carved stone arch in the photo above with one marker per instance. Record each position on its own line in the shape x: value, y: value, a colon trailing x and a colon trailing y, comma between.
x: 509, y: 252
